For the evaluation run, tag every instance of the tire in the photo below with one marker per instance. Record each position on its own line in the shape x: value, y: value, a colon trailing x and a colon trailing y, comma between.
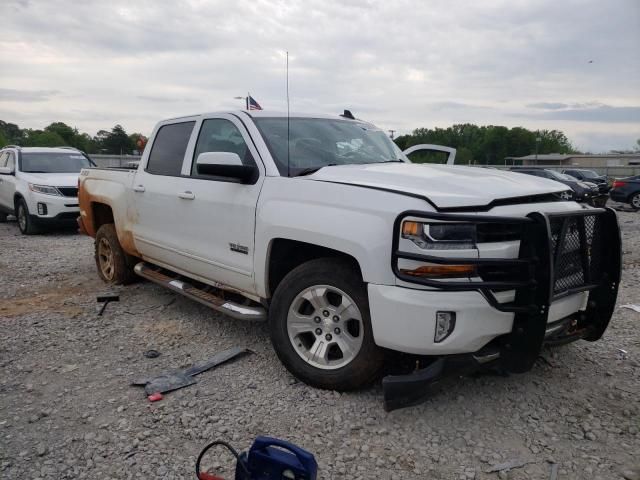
x: 3, y: 217
x: 26, y: 224
x: 114, y: 265
x: 349, y: 359
x: 634, y: 201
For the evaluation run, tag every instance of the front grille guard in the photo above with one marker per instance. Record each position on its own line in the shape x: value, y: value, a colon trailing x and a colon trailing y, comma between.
x: 547, y: 269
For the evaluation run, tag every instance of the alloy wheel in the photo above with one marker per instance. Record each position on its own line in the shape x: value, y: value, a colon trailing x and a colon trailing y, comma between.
x: 105, y: 258
x: 324, y: 326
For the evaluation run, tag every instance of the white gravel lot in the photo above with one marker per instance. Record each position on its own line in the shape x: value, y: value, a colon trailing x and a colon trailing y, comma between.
x: 67, y: 409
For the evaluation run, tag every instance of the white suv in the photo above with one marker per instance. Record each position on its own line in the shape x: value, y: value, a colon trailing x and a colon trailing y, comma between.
x: 40, y: 185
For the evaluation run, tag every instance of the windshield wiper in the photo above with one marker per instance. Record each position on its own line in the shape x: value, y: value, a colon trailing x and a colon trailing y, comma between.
x: 310, y: 170
x: 36, y: 171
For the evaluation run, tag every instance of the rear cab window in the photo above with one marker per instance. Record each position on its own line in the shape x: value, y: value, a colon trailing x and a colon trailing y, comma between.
x: 168, y: 149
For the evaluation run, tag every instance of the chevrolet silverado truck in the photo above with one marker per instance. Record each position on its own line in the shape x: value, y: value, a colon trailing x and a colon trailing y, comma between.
x: 323, y: 227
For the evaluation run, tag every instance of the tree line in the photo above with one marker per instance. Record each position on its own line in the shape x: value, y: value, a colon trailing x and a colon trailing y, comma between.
x: 115, y: 141
x: 485, y: 145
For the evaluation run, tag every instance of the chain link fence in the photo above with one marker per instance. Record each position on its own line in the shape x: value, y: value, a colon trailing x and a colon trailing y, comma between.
x: 115, y: 161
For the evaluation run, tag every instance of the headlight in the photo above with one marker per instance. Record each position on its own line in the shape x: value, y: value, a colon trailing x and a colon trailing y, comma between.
x: 441, y: 236
x: 46, y: 189
x: 567, y: 195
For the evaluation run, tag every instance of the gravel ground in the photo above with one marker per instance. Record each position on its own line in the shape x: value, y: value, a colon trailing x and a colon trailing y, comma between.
x: 67, y: 409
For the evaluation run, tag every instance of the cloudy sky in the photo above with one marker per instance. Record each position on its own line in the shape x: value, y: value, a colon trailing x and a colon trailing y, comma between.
x: 572, y: 65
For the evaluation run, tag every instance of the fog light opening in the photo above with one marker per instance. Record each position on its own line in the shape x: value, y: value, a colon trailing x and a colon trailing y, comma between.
x: 445, y: 323
x: 42, y: 208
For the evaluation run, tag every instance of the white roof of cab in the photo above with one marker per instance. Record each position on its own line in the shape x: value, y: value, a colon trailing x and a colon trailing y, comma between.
x: 263, y: 114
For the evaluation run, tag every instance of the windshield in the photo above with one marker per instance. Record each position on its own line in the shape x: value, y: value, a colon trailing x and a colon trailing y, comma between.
x: 318, y: 142
x: 560, y: 176
x: 55, y: 162
x: 589, y: 174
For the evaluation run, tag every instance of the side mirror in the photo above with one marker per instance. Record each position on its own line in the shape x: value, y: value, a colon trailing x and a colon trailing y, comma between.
x: 225, y: 164
x: 6, y: 171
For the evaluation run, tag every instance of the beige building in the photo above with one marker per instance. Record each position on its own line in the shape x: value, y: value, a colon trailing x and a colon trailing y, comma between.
x: 607, y: 160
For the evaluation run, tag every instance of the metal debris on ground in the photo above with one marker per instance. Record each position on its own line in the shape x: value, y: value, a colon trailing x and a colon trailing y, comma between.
x: 553, y: 472
x: 169, y: 381
x: 509, y: 464
x: 632, y: 306
x: 105, y: 299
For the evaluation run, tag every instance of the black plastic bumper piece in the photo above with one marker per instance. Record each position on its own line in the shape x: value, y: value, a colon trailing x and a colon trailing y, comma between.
x: 402, y: 391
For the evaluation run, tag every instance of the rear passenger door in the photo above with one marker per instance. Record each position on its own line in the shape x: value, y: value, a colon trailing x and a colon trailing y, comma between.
x: 154, y: 217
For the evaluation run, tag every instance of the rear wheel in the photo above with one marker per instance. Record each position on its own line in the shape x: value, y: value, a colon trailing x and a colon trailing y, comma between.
x: 635, y: 201
x: 320, y: 326
x: 3, y: 217
x: 25, y: 223
x: 114, y: 265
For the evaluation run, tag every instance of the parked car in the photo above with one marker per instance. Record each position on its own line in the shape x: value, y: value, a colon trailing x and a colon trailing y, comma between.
x: 590, y: 176
x: 324, y: 227
x: 627, y: 190
x: 582, y: 191
x: 40, y: 186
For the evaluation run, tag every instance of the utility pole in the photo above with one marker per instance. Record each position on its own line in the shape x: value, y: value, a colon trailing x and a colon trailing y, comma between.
x: 392, y: 132
x: 538, y: 140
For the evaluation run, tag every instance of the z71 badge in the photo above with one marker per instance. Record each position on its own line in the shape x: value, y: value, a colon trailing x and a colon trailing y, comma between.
x: 235, y: 247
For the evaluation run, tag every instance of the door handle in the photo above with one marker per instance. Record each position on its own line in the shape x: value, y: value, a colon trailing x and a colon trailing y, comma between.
x: 138, y: 188
x: 187, y: 195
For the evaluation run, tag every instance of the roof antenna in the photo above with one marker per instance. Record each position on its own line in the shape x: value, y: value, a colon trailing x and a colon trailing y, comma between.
x: 288, y: 121
x: 348, y: 114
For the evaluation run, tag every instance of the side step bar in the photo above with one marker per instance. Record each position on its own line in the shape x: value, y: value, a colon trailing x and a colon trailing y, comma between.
x: 234, y: 310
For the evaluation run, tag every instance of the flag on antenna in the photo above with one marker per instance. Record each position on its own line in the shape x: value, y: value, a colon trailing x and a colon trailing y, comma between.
x: 253, y: 105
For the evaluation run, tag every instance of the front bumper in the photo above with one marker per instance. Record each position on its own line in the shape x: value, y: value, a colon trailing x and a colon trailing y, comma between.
x: 565, y: 281
x: 52, y: 209
x: 477, y: 322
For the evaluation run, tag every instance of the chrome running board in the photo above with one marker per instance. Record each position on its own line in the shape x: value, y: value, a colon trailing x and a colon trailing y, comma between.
x: 232, y: 309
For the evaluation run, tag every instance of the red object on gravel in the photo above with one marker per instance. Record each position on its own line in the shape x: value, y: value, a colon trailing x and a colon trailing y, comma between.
x: 154, y: 397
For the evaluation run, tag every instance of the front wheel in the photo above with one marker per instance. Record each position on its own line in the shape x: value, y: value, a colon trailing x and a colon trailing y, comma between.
x: 634, y: 201
x: 26, y: 224
x: 320, y: 326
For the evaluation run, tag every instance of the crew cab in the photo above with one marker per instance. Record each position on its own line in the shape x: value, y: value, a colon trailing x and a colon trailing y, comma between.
x: 322, y: 226
x: 39, y: 186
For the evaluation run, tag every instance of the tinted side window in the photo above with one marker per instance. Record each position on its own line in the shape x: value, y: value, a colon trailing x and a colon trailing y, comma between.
x: 219, y: 135
x: 169, y: 147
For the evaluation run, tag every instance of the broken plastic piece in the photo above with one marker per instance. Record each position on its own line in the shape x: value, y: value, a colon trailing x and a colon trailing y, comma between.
x: 176, y: 379
x: 154, y: 397
x: 632, y: 306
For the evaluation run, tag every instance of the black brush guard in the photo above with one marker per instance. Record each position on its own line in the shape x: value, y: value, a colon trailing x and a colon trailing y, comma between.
x: 560, y: 254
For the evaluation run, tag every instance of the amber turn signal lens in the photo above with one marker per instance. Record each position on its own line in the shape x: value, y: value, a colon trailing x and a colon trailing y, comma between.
x: 441, y: 271
x: 410, y: 229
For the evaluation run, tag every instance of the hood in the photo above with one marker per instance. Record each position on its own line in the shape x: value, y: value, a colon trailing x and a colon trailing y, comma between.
x: 52, y: 179
x: 446, y: 186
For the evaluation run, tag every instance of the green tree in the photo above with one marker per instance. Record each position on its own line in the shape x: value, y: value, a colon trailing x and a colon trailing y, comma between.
x: 65, y: 132
x: 3, y: 140
x: 41, y: 138
x: 485, y: 144
x: 11, y: 132
x: 117, y: 141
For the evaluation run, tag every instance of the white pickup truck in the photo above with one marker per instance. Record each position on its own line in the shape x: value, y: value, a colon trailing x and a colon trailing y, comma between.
x: 325, y: 228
